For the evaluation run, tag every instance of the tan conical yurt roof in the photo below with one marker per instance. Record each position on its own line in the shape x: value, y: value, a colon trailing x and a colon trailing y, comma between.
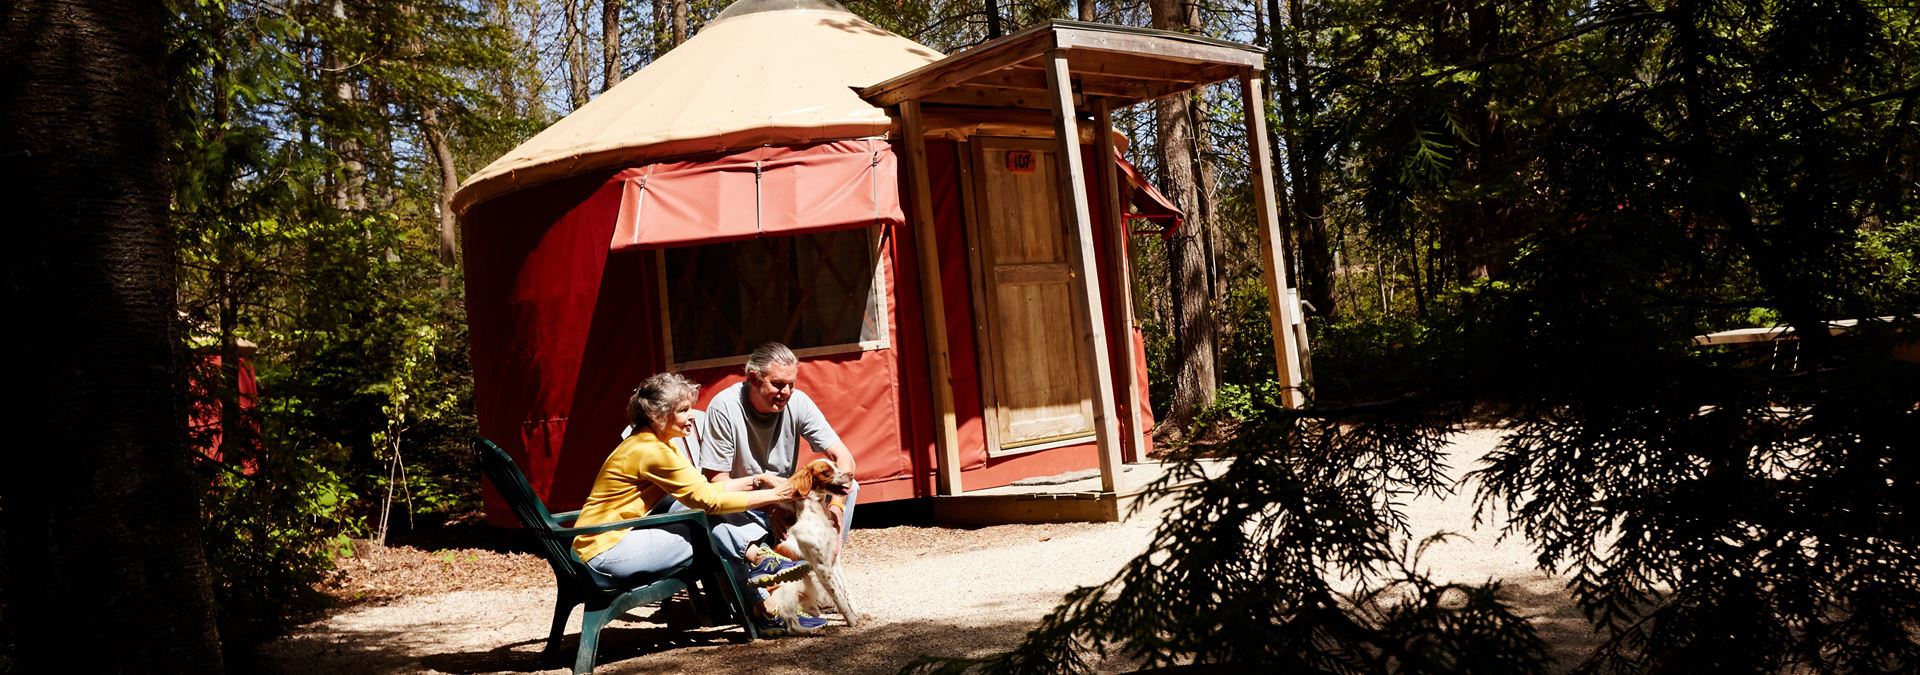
x: 763, y: 72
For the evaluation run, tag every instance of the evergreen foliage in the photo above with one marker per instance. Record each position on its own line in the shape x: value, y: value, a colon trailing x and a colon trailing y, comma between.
x: 1512, y: 212
x: 1718, y: 509
x: 306, y: 202
x: 1552, y: 200
x: 1249, y: 566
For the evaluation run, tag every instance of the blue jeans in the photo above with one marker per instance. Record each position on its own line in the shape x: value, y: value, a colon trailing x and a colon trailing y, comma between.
x: 643, y: 552
x: 734, y: 532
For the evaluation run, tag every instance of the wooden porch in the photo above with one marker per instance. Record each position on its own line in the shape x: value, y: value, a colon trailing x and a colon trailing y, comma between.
x: 1078, y: 496
x: 1078, y: 74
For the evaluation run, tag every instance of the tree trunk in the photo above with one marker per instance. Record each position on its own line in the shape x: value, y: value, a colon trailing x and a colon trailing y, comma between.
x: 659, y: 39
x: 1206, y: 191
x: 609, y: 44
x: 505, y: 83
x: 449, y: 182
x: 679, y: 22
x: 1204, y: 210
x: 994, y: 31
x: 1308, y: 214
x: 1086, y: 10
x: 102, y: 526
x: 1712, y: 193
x: 575, y: 54
x: 435, y: 132
x: 350, y: 192
x: 226, y: 387
x: 1193, y: 327
x: 1267, y: 29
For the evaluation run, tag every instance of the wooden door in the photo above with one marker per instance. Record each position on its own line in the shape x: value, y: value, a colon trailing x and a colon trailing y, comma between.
x: 1034, y: 362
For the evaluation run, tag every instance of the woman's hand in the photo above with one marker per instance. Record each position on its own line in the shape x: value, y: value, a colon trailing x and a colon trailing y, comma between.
x: 769, y: 481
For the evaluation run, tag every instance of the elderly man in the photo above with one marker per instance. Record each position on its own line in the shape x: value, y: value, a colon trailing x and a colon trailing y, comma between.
x: 755, y: 427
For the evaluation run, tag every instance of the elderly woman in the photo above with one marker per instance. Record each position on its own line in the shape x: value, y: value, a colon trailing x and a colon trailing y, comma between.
x: 645, y: 468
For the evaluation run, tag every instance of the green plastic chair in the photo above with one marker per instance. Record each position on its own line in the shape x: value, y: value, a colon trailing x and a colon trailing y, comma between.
x: 605, y: 598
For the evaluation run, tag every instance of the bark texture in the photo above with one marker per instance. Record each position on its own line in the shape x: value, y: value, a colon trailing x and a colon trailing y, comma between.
x: 449, y: 183
x: 579, y: 75
x: 609, y: 44
x: 102, y: 526
x: 350, y: 192
x: 1307, y: 218
x: 679, y: 21
x: 1193, y: 324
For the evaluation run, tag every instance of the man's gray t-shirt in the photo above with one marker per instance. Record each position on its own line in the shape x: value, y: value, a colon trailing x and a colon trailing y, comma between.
x: 771, y: 442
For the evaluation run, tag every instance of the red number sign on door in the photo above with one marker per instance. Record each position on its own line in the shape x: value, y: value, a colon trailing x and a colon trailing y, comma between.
x: 1020, y: 161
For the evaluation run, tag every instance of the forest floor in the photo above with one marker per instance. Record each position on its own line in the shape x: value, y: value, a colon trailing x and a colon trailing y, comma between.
x: 443, y: 607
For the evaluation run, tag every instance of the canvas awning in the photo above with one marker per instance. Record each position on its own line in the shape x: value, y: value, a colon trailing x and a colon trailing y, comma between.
x: 1148, y: 203
x: 784, y: 190
x: 775, y: 190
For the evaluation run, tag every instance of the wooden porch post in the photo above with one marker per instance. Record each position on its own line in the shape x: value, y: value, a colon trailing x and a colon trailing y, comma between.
x: 946, y: 440
x: 1280, y: 306
x: 1113, y: 192
x: 1076, y: 213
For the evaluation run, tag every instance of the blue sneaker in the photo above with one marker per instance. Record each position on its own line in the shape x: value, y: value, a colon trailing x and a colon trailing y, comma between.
x: 774, y: 568
x: 800, y: 625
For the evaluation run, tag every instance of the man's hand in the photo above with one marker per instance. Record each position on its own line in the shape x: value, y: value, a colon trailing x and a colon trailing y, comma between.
x: 769, y: 481
x: 841, y: 456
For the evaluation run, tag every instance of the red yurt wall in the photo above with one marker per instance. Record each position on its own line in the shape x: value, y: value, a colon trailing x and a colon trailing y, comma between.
x: 559, y: 334
x: 563, y: 327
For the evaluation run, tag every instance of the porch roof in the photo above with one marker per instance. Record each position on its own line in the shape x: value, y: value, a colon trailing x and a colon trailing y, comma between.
x: 1123, y: 64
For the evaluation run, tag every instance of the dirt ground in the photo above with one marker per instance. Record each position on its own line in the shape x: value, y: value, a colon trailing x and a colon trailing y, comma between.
x: 924, y: 590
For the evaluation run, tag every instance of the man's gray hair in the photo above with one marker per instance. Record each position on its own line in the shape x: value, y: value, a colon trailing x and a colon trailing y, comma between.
x: 769, y: 354
x: 654, y: 401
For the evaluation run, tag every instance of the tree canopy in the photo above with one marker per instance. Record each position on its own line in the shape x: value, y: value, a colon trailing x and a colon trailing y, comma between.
x: 1512, y: 214
x: 1571, y: 194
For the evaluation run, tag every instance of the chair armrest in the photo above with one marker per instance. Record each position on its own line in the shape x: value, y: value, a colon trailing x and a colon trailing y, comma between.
x: 567, y: 517
x: 697, y: 517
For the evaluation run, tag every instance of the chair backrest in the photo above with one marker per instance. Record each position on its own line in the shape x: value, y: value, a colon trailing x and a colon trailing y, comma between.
x: 532, y: 513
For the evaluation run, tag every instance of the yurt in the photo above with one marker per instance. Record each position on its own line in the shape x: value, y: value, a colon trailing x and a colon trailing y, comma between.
x: 954, y: 326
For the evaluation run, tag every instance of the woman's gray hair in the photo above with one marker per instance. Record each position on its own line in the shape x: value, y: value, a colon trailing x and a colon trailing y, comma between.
x: 656, y: 398
x: 769, y: 354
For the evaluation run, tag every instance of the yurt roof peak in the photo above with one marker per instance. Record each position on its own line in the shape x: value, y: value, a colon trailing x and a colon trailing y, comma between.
x: 764, y: 72
x: 746, y: 7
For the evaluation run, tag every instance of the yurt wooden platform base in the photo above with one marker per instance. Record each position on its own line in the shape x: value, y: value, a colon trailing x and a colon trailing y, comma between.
x: 1072, y: 497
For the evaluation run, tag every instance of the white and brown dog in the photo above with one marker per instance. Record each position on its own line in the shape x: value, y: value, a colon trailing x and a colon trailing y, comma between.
x: 815, y: 538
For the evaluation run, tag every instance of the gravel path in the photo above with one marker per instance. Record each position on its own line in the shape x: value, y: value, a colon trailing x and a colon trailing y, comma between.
x: 925, y: 590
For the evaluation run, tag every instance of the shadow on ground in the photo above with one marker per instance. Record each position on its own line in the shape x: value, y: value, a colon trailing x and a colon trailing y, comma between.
x: 1556, y: 619
x: 507, y: 640
x: 641, y: 645
x: 638, y: 647
x: 471, y: 530
x: 615, y: 643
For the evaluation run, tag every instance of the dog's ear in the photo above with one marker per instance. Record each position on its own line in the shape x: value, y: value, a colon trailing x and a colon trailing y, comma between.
x: 802, y: 480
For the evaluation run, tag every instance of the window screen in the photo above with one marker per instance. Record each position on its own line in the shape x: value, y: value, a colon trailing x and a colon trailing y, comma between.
x: 808, y: 291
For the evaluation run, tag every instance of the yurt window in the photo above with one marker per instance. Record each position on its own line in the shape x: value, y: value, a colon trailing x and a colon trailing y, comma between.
x: 818, y: 293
